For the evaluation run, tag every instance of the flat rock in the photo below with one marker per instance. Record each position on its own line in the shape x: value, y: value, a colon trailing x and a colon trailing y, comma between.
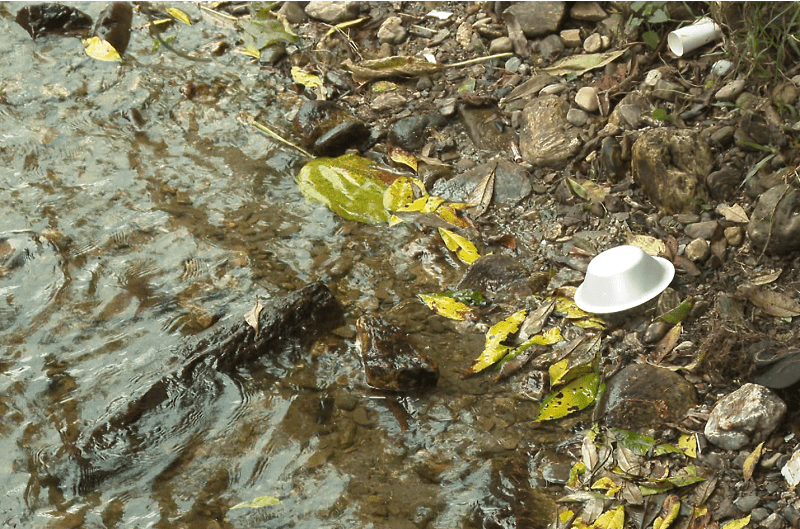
x: 497, y: 274
x: 486, y: 128
x: 512, y: 183
x: 730, y: 91
x: 671, y: 166
x: 701, y: 230
x: 538, y: 18
x: 745, y: 417
x: 643, y: 396
x: 391, y: 362
x: 774, y: 221
x: 590, y: 11
x: 548, y: 139
x: 332, y: 12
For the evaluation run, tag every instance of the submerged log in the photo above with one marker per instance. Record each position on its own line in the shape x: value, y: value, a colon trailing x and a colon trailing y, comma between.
x: 300, y: 314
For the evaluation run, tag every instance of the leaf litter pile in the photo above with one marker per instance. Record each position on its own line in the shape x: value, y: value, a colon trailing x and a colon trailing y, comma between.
x: 619, y: 478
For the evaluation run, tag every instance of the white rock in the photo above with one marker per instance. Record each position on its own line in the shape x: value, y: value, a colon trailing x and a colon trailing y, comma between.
x: 746, y: 416
x: 392, y: 31
x: 593, y: 43
x: 586, y: 99
x: 571, y: 38
x: 721, y: 68
x: 791, y: 470
x: 332, y: 12
x: 730, y: 91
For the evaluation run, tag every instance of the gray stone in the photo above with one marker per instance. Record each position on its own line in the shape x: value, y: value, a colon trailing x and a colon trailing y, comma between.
x: 538, y: 18
x: 513, y: 64
x: 698, y: 250
x: 332, y: 12
x: 745, y: 417
x: 701, y: 230
x: 387, y: 101
x: 512, y: 183
x: 633, y: 112
x: 774, y: 521
x: 590, y: 11
x: 758, y: 514
x: 642, y: 396
x: 577, y: 117
x: 571, y: 38
x: 774, y: 221
x: 586, y: 99
x: 392, y: 31
x: 547, y: 138
x: 730, y: 91
x: 293, y: 12
x: 551, y: 47
x: 481, y: 124
x: 501, y: 45
x: 593, y: 43
x: 671, y: 167
x: 746, y: 503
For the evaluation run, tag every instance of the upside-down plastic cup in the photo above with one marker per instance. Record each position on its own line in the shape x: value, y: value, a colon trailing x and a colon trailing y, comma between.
x: 689, y: 38
x: 622, y: 278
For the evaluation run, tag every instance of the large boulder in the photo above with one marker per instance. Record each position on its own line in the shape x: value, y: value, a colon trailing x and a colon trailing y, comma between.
x: 671, y: 166
x: 547, y: 138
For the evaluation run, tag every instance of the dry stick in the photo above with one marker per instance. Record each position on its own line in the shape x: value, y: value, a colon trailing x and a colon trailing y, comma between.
x: 265, y: 129
x: 772, y: 222
x: 479, y: 59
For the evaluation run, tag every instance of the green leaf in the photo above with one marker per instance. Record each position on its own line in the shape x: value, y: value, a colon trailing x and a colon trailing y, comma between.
x: 637, y: 443
x: 739, y: 523
x: 350, y: 186
x: 494, y: 350
x: 446, y: 306
x: 258, y: 503
x: 660, y: 114
x: 472, y: 297
x: 575, y: 396
x: 258, y: 34
x: 580, y: 64
x: 678, y: 314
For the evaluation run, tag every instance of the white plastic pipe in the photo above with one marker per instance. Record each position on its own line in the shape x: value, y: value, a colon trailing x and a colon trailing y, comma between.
x: 690, y: 38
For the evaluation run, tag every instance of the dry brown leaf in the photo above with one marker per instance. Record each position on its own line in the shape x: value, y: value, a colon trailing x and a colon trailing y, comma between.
x: 733, y: 213
x: 648, y: 244
x: 666, y: 344
x: 251, y: 318
x: 766, y: 278
x: 773, y: 303
x: 481, y: 196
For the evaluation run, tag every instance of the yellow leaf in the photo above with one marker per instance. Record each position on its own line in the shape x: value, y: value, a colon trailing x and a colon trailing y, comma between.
x: 448, y: 213
x: 433, y: 204
x: 751, y: 461
x: 100, y: 49
x: 558, y: 370
x: 394, y: 220
x: 670, y: 508
x: 688, y: 444
x: 568, y: 308
x: 262, y: 501
x: 398, y: 155
x: 464, y: 249
x: 179, y: 15
x: 737, y: 524
x: 304, y: 78
x: 494, y: 350
x: 399, y: 194
x: 607, y: 484
x: 448, y: 307
x: 417, y: 205
x: 611, y: 519
x: 648, y: 244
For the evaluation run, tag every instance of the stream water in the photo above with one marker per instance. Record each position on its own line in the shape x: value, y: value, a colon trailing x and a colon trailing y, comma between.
x: 140, y: 207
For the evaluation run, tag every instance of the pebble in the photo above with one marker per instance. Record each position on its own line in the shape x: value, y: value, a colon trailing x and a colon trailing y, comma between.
x: 701, y: 230
x: 551, y: 47
x: 758, y: 514
x: 698, y: 250
x: 730, y: 91
x: 332, y: 12
x: 392, y: 31
x: 593, y: 43
x: 577, y: 117
x: 501, y: 45
x: 513, y: 64
x: 721, y: 68
x: 586, y: 99
x: 734, y: 235
x: 571, y: 38
x: 388, y: 101
x: 745, y: 417
x: 746, y: 503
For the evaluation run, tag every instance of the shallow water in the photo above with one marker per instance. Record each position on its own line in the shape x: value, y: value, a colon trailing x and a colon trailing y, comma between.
x: 134, y: 217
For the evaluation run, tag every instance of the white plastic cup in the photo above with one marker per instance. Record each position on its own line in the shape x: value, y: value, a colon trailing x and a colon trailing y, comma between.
x: 622, y: 278
x: 689, y: 38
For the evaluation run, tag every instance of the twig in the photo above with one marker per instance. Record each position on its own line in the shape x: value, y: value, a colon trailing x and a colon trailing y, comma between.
x: 265, y: 129
x: 476, y: 60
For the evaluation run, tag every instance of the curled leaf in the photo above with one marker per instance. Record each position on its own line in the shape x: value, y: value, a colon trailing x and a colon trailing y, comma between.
x: 463, y: 248
x: 752, y: 460
x: 446, y: 306
x: 396, y: 66
x: 494, y: 350
x: 251, y: 318
x: 102, y: 50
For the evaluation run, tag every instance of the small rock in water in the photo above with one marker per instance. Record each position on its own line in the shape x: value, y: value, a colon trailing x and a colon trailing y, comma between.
x: 730, y: 91
x: 332, y: 12
x: 392, y: 31
x: 586, y: 98
x: 41, y: 19
x: 745, y: 417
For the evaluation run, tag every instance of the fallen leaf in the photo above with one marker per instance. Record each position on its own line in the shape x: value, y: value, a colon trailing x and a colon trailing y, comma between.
x: 733, y: 213
x: 494, y: 350
x: 773, y: 303
x: 398, y: 155
x: 669, y: 511
x: 102, y: 50
x: 667, y: 343
x: 309, y: 80
x: 580, y: 64
x: 587, y: 190
x: 688, y: 445
x: 446, y: 306
x: 752, y: 460
x: 392, y: 67
x: 251, y: 318
x: 259, y: 34
x: 607, y: 484
x: 463, y: 248
x: 481, y: 197
x: 767, y: 277
x: 260, y: 502
x: 179, y: 15
x: 648, y: 244
x: 611, y: 519
x: 679, y: 313
x: 575, y: 396
x: 739, y: 523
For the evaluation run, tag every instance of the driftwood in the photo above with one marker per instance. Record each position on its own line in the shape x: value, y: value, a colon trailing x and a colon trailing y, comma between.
x: 300, y: 314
